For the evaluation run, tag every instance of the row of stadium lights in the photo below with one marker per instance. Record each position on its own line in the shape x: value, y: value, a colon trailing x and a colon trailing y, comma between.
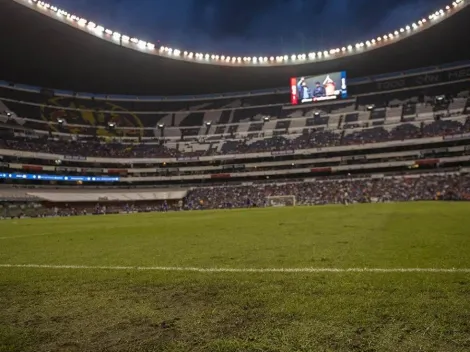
x: 284, y: 59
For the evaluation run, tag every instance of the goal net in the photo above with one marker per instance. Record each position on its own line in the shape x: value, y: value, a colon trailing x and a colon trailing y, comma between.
x: 280, y: 201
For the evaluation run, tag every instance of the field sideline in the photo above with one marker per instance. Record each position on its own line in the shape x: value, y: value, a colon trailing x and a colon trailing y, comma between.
x: 376, y: 277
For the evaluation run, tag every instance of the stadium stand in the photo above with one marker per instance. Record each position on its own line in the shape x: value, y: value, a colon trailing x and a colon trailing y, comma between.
x: 241, y: 152
x: 42, y: 203
x: 317, y: 192
x: 88, y: 128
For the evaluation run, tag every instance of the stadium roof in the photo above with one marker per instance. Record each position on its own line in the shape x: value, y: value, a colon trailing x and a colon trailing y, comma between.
x: 42, y: 51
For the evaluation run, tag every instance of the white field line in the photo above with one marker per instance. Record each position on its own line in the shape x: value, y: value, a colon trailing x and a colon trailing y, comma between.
x: 240, y: 270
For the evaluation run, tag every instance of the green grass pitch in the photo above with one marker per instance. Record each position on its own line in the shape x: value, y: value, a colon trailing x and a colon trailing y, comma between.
x: 99, y: 309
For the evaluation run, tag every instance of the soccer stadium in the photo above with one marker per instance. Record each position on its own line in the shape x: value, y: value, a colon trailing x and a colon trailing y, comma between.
x: 157, y: 199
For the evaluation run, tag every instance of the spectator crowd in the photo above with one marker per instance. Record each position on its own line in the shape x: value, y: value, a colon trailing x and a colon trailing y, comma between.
x: 319, y: 192
x: 308, y: 139
x: 313, y: 192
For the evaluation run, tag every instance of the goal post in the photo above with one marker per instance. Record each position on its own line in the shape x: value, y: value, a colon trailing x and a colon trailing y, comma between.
x: 280, y: 201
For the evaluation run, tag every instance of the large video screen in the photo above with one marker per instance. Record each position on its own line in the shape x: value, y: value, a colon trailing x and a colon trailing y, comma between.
x: 310, y: 89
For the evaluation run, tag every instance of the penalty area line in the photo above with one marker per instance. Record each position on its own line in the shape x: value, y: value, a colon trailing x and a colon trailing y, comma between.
x: 240, y: 270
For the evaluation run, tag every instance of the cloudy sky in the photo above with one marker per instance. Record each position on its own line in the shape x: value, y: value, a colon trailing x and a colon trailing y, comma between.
x: 252, y: 27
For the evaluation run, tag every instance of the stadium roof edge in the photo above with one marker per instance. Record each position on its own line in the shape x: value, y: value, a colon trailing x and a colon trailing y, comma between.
x: 357, y: 81
x: 47, y: 53
x: 318, y: 55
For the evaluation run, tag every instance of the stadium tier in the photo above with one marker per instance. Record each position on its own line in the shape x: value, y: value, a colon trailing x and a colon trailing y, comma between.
x: 66, y: 202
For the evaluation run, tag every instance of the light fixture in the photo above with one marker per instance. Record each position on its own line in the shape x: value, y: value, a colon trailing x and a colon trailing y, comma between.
x: 274, y: 60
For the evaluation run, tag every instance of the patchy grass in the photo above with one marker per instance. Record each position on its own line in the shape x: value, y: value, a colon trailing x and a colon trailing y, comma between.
x: 103, y: 310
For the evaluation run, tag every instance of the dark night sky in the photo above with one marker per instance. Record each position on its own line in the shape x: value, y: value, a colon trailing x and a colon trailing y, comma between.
x: 252, y: 27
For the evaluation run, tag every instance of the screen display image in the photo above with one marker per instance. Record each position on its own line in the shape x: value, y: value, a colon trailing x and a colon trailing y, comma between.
x: 310, y: 89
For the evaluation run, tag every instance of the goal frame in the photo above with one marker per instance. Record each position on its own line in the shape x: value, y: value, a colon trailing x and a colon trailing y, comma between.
x: 270, y: 198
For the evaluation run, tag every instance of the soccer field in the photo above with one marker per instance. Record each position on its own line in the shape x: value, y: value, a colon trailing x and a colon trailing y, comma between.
x: 376, y: 277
